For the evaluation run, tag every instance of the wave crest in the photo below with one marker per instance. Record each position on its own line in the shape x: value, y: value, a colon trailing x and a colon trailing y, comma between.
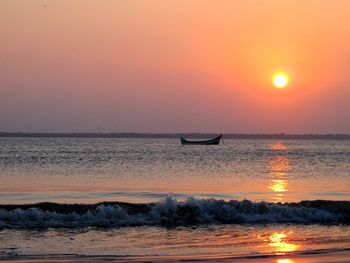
x: 170, y: 212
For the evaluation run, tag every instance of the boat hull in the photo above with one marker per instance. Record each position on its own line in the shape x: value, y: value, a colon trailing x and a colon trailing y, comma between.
x: 214, y: 141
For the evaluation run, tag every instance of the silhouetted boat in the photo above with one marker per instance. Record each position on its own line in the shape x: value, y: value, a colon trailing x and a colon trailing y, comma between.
x: 214, y: 141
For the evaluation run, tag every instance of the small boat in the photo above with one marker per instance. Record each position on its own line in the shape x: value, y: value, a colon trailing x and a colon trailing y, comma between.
x: 214, y: 141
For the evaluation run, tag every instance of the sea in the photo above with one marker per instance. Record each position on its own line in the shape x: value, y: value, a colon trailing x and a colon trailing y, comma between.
x: 155, y: 200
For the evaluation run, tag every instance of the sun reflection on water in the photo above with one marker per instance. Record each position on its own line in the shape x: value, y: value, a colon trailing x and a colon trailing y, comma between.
x: 278, y: 146
x: 278, y: 167
x: 279, y: 242
x: 279, y: 185
x: 285, y: 260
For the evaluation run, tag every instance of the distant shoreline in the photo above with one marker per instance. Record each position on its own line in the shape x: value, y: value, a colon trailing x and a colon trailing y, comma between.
x: 176, y: 135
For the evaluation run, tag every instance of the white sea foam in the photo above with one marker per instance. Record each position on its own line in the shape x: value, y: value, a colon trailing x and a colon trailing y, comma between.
x: 166, y: 212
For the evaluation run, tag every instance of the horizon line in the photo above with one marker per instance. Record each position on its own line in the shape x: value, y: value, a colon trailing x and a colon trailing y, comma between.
x: 169, y: 135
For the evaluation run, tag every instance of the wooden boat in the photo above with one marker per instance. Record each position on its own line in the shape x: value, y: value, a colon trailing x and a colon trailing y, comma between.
x: 214, y: 141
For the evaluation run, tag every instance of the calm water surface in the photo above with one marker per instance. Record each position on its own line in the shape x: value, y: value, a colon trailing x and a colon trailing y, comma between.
x: 143, y: 170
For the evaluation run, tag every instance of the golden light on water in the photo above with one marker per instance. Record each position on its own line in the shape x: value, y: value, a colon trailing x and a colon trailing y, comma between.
x: 280, y: 80
x: 278, y: 186
x: 279, y: 146
x: 279, y: 242
x: 286, y: 260
x: 278, y: 167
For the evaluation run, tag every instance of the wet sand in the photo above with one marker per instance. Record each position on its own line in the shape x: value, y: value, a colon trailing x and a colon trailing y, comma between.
x: 341, y: 256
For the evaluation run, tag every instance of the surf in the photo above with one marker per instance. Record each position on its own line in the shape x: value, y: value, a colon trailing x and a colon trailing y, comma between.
x: 170, y: 212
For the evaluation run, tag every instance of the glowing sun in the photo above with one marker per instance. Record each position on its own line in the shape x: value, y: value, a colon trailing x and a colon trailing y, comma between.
x: 280, y: 80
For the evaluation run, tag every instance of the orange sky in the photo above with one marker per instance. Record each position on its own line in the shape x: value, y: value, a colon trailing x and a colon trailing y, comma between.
x: 174, y: 66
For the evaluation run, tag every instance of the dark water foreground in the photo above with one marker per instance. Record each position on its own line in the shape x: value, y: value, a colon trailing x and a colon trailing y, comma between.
x: 170, y: 212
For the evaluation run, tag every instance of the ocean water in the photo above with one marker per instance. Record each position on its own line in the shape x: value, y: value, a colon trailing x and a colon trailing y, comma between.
x: 156, y: 200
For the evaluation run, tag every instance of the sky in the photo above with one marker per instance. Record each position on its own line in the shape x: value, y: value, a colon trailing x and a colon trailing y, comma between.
x: 174, y: 66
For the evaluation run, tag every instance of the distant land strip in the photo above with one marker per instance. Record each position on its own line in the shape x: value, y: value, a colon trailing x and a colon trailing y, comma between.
x: 177, y: 135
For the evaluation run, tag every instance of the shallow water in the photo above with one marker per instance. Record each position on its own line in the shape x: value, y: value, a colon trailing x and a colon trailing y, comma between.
x: 206, y: 242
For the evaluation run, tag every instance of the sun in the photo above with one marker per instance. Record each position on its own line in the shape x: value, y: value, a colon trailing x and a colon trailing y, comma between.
x: 280, y: 80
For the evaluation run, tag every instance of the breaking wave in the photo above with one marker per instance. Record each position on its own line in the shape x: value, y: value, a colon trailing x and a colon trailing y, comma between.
x: 170, y: 212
